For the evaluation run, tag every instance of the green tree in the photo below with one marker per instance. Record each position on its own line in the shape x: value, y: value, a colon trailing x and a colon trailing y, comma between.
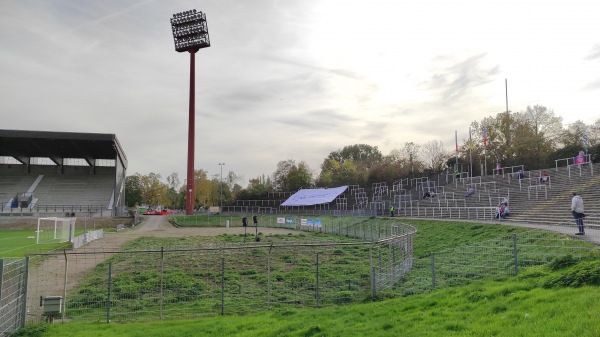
x: 365, y: 156
x: 133, y: 191
x: 338, y: 173
x: 572, y: 136
x: 258, y: 188
x: 153, y: 190
x: 539, y: 136
x: 290, y: 176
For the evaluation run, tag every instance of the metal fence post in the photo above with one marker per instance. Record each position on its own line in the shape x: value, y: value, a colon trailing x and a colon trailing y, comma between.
x: 269, y: 277
x: 515, y: 256
x: 108, y: 293
x: 24, y: 289
x: 162, y: 281
x: 222, y: 285
x: 64, y: 303
x: 373, y: 293
x: 1, y: 276
x: 317, y: 282
x: 432, y: 258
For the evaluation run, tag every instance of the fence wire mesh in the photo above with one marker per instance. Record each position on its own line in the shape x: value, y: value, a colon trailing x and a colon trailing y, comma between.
x: 501, y: 257
x: 179, y: 281
x: 182, y: 281
x: 13, y: 277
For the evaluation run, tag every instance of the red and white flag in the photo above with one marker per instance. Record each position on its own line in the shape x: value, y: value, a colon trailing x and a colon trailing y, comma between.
x: 456, y: 139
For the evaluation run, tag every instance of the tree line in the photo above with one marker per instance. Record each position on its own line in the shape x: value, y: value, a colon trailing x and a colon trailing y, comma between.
x: 534, y: 138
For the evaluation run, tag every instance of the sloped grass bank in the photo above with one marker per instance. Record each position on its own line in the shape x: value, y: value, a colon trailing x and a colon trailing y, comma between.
x: 558, y: 299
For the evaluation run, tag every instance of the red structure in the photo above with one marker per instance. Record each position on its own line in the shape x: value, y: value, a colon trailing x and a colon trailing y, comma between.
x: 190, y: 33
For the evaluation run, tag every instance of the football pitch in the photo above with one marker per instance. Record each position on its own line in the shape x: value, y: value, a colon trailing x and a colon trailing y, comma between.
x: 20, y: 242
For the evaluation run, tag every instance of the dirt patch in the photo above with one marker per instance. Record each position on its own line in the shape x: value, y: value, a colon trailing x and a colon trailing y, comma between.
x: 47, y: 276
x: 10, y: 222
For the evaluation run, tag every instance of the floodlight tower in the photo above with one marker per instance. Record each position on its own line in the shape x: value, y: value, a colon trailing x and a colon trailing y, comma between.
x: 221, y: 196
x: 190, y: 33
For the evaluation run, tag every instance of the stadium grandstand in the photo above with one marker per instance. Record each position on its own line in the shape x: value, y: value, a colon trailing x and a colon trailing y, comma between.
x: 46, y: 173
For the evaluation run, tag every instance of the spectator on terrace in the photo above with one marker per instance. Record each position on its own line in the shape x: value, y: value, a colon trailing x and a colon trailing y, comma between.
x: 520, y: 174
x: 500, y: 211
x: 545, y: 177
x: 470, y: 192
x: 577, y: 210
x: 579, y: 159
x: 498, y: 168
x: 428, y: 195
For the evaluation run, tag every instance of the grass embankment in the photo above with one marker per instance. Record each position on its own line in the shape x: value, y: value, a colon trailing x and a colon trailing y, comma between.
x: 563, y: 300
x: 558, y: 299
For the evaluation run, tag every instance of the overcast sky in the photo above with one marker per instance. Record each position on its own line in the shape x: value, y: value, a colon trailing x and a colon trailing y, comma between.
x: 291, y: 79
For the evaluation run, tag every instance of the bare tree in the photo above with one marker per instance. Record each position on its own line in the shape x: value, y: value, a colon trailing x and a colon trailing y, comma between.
x: 435, y: 155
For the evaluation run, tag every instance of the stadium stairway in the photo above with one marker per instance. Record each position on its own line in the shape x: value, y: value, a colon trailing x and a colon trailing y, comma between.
x: 529, y: 201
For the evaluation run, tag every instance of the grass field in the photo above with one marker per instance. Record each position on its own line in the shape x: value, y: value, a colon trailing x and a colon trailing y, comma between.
x: 18, y: 243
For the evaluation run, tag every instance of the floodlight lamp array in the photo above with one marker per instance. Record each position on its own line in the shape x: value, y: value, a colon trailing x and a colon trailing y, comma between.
x: 190, y: 30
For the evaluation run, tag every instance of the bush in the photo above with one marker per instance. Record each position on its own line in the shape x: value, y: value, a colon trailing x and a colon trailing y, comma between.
x: 562, y: 262
x: 35, y: 330
x: 583, y: 274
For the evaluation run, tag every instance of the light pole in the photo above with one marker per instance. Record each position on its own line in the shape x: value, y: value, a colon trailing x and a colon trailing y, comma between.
x: 185, y: 192
x: 190, y: 33
x: 221, y: 195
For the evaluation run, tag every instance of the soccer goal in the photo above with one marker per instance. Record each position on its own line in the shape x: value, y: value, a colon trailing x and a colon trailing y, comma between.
x: 55, y: 230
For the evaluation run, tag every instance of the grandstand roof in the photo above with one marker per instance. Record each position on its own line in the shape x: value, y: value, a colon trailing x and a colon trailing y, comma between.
x: 21, y: 144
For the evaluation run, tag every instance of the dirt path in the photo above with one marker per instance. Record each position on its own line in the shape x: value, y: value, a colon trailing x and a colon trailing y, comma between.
x: 47, y: 275
x: 158, y: 226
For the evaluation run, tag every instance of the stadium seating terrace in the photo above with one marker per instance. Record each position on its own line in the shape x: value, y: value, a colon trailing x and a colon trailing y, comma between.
x: 46, y: 173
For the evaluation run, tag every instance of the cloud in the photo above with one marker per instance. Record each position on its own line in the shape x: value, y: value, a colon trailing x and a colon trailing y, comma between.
x: 453, y: 80
x: 594, y: 53
x: 592, y: 85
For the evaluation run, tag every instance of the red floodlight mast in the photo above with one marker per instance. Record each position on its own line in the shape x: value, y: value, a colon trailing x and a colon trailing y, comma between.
x: 190, y: 33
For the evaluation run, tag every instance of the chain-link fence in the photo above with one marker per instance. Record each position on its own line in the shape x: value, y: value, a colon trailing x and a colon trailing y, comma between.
x: 225, y: 278
x: 179, y: 281
x: 13, y: 278
x: 501, y: 257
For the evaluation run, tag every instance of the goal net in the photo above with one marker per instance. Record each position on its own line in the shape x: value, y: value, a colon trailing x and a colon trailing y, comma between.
x: 55, y: 230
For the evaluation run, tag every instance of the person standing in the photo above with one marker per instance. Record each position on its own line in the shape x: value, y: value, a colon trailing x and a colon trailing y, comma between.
x: 577, y: 210
x: 392, y: 210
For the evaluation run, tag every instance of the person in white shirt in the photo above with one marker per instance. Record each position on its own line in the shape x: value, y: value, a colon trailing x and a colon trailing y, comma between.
x: 577, y: 210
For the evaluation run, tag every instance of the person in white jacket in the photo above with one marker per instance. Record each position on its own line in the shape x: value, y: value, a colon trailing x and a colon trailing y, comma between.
x: 577, y: 210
